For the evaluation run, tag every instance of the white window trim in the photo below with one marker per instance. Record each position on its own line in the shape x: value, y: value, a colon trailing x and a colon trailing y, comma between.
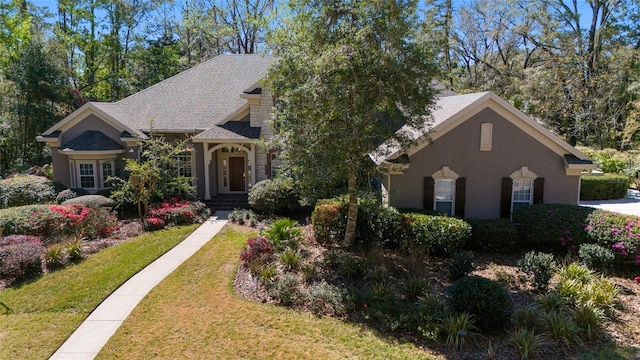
x: 98, y: 174
x: 519, y: 175
x: 445, y: 173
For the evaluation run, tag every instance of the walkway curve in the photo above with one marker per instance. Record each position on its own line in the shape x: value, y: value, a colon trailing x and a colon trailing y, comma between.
x: 86, y: 342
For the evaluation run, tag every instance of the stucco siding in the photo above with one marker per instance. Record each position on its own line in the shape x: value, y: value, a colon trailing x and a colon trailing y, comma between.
x: 60, y: 164
x: 459, y: 149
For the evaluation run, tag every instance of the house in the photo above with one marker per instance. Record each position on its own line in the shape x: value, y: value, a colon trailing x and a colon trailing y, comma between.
x: 218, y: 106
x: 482, y: 158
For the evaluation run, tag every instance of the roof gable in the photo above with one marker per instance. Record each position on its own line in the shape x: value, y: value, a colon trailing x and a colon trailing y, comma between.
x: 92, y: 141
x: 452, y: 111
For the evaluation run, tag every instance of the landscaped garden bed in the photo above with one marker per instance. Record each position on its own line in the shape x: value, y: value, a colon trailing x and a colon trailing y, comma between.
x: 503, y: 302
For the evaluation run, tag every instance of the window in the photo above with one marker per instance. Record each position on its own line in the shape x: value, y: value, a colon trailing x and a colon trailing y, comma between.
x: 107, y: 170
x: 183, y: 164
x: 443, y: 195
x: 276, y: 162
x: 87, y: 175
x: 522, y: 193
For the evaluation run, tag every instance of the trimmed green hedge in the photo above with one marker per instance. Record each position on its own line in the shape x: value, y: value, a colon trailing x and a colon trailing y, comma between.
x: 435, y: 235
x: 605, y: 187
x: 552, y: 224
x: 493, y: 235
x: 274, y: 196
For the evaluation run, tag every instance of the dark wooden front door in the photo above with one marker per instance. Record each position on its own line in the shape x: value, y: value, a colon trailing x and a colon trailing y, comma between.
x: 236, y: 174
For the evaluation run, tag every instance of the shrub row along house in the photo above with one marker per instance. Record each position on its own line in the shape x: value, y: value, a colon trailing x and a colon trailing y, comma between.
x: 483, y: 158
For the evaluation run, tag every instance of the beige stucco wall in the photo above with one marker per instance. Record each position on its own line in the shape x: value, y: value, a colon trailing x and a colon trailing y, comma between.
x: 459, y: 149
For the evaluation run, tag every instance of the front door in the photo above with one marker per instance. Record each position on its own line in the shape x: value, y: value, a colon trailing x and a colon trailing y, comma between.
x: 236, y: 174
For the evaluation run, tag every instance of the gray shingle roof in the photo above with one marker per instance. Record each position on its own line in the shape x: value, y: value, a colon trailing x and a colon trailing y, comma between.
x: 92, y: 141
x: 196, y: 99
x: 232, y: 130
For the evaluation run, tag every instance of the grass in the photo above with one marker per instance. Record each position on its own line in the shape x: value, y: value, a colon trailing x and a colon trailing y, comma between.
x: 194, y: 314
x: 38, y: 316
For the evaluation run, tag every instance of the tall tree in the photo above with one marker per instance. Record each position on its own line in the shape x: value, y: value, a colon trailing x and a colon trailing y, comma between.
x: 350, y: 72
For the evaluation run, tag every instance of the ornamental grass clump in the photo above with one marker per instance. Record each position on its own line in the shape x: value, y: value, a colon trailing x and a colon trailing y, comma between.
x: 526, y: 342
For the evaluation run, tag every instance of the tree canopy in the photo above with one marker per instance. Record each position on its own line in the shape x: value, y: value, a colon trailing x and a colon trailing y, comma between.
x: 350, y: 73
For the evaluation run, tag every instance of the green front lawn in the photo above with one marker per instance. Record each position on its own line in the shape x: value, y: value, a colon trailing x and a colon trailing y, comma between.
x: 194, y: 314
x: 37, y: 317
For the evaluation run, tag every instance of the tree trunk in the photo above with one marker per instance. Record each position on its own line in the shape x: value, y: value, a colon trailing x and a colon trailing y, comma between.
x: 352, y: 215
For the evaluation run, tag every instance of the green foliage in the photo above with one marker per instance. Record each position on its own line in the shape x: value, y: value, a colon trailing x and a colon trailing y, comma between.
x: 552, y: 224
x: 526, y: 342
x: 461, y: 265
x: 487, y: 300
x: 435, y: 235
x: 540, y: 265
x: 561, y: 328
x: 92, y: 201
x: 20, y: 257
x: 528, y: 317
x: 414, y: 286
x: 609, y: 161
x: 274, y: 196
x: 377, y: 225
x: 596, y: 257
x: 552, y: 301
x: 284, y: 234
x: 343, y: 88
x: 589, y: 320
x: 55, y: 256
x: 243, y: 217
x: 257, y: 253
x: 154, y: 178
x: 290, y: 259
x: 287, y: 289
x: 22, y: 190
x: 74, y: 250
x: 619, y: 232
x: 327, y: 299
x: 64, y: 195
x: 605, y: 187
x: 459, y: 328
x: 492, y: 235
x: 581, y: 287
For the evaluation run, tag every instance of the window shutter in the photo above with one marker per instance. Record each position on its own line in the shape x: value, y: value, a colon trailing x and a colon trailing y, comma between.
x: 428, y: 193
x: 538, y: 191
x: 461, y: 184
x: 505, y: 201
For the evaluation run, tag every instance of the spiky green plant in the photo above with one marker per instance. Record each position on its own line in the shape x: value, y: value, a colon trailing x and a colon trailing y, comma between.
x: 526, y: 343
x: 589, y: 319
x: 290, y: 259
x: 414, y: 286
x: 459, y: 329
x: 529, y: 317
x: 561, y: 328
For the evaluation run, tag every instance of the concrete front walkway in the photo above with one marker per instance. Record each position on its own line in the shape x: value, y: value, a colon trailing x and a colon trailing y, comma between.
x: 102, y: 323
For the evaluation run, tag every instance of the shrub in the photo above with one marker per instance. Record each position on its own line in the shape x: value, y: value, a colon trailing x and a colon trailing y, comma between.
x: 561, y: 328
x: 526, y: 343
x: 326, y: 299
x: 605, y: 187
x: 483, y: 298
x: 284, y: 234
x: 529, y: 317
x: 274, y: 196
x: 80, y: 191
x: 153, y: 223
x: 26, y: 190
x: 92, y: 201
x: 20, y: 257
x: 459, y: 328
x: 437, y: 235
x: 461, y: 265
x: 351, y: 267
x: 619, y: 232
x: 376, y: 225
x: 290, y: 259
x: 596, y: 257
x: 589, y: 320
x: 492, y: 235
x: 177, y: 211
x: 65, y: 195
x: 55, y: 257
x: 552, y: 301
x: 581, y: 287
x: 540, y: 265
x: 257, y: 247
x: 414, y: 286
x: 552, y: 224
x: 243, y: 216
x: 87, y: 222
x: 74, y: 250
x: 288, y: 291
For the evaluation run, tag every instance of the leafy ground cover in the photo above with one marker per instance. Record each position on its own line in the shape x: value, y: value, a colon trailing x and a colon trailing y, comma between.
x: 194, y: 313
x: 36, y: 317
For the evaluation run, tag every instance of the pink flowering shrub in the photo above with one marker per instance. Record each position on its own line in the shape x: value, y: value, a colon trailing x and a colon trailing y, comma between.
x: 20, y: 257
x: 175, y: 212
x: 52, y: 222
x: 552, y: 224
x: 619, y: 232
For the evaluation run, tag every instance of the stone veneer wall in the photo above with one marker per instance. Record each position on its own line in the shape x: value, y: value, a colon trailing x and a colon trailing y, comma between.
x: 260, y: 116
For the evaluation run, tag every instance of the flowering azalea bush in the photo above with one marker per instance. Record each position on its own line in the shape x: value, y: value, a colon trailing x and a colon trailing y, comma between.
x: 20, y: 257
x: 55, y: 221
x: 552, y: 224
x: 175, y: 211
x: 619, y: 232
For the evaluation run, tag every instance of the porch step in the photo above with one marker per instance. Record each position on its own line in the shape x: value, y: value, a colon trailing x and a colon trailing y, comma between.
x: 228, y: 202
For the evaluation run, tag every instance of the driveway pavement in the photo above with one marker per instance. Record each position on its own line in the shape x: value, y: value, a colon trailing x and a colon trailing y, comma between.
x: 89, y: 338
x: 628, y: 205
